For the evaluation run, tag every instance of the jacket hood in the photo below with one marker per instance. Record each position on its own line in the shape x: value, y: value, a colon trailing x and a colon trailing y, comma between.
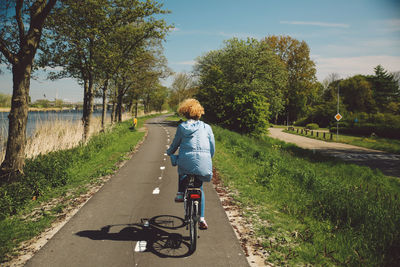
x: 191, y: 126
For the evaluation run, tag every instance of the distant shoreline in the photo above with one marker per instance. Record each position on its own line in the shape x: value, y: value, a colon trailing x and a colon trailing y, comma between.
x: 37, y: 109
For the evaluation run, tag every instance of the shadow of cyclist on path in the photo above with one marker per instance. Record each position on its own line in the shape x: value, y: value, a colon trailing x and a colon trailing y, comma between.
x: 158, y: 241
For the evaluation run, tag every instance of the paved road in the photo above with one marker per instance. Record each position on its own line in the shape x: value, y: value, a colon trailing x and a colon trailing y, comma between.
x: 109, y: 230
x: 388, y: 163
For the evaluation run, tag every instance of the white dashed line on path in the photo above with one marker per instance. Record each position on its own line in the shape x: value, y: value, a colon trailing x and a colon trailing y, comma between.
x: 162, y: 168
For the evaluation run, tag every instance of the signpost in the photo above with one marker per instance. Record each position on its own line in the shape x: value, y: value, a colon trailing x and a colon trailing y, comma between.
x: 337, y: 116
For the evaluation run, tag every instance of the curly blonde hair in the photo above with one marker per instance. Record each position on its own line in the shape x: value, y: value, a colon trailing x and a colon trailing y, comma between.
x: 191, y: 109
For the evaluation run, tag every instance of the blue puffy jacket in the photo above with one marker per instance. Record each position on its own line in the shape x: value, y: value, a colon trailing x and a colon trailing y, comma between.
x: 196, y: 143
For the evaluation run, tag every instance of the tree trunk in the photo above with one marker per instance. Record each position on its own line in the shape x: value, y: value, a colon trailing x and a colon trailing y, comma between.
x: 119, y: 104
x: 113, y: 111
x: 136, y: 108
x: 103, y: 115
x: 14, y: 161
x: 88, y: 98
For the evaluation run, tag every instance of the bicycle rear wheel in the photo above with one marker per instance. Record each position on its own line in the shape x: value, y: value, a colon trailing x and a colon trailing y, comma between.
x: 193, y: 224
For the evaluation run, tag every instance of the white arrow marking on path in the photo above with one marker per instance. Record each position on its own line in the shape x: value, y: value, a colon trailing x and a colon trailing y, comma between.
x: 156, y: 191
x: 141, y: 246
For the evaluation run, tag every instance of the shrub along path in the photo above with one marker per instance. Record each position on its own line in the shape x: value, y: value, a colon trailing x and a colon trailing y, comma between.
x: 386, y: 162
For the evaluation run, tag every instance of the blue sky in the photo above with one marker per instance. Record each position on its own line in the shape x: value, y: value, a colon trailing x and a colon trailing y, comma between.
x: 347, y: 37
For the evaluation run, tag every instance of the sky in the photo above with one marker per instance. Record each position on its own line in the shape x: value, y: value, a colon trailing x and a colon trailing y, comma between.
x: 346, y: 37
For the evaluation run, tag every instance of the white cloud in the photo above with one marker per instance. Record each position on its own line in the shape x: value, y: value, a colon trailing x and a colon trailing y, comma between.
x: 188, y: 63
x: 316, y: 23
x: 350, y: 66
x: 240, y: 35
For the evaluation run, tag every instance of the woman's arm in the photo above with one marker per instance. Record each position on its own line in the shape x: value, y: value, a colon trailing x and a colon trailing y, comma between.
x: 212, y: 142
x: 176, y: 142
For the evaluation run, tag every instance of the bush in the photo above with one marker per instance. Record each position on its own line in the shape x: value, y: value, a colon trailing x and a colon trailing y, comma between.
x: 41, y: 175
x: 301, y: 122
x: 312, y: 126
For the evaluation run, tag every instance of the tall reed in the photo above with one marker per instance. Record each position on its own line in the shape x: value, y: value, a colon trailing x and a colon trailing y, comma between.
x: 56, y: 134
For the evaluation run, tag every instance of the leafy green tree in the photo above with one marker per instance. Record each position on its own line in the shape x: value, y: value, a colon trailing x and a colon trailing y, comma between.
x: 157, y: 97
x: 385, y: 88
x: 357, y: 94
x: 42, y: 103
x: 140, y: 79
x: 302, y: 74
x: 94, y: 40
x: 241, y: 85
x: 21, y: 24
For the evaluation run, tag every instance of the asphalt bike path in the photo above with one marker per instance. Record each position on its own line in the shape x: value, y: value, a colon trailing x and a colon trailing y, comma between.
x: 388, y: 163
x: 133, y: 220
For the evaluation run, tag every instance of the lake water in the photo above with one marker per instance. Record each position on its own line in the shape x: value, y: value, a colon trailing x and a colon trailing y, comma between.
x: 35, y: 117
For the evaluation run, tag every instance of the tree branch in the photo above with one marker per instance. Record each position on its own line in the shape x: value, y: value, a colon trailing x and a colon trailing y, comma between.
x: 18, y: 16
x: 38, y: 16
x: 7, y: 53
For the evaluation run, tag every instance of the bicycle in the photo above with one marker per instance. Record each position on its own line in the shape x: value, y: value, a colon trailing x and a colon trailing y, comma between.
x: 192, y: 205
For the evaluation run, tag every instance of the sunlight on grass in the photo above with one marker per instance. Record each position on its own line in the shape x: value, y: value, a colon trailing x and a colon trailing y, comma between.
x: 311, y: 209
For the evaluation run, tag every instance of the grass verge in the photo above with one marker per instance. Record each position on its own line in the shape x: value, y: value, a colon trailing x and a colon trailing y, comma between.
x: 309, y: 209
x: 378, y: 143
x: 61, y: 174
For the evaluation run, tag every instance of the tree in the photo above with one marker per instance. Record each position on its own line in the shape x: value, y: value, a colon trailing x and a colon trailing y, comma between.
x: 301, y: 71
x: 385, y: 88
x: 357, y: 94
x: 140, y: 78
x: 241, y: 85
x: 182, y: 87
x: 332, y: 77
x: 18, y: 47
x: 158, y: 98
x: 94, y: 40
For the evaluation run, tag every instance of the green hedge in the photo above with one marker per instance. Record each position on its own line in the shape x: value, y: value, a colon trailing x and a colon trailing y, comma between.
x: 368, y: 129
x: 312, y: 126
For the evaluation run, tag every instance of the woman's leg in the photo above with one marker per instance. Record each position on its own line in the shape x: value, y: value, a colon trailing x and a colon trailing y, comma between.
x: 203, y: 203
x: 181, y: 183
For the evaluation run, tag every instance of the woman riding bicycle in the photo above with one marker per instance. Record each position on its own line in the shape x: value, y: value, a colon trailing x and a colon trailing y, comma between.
x: 196, y: 143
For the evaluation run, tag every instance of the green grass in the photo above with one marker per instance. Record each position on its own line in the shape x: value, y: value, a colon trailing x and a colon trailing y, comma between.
x: 64, y: 174
x: 378, y: 143
x: 313, y: 209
